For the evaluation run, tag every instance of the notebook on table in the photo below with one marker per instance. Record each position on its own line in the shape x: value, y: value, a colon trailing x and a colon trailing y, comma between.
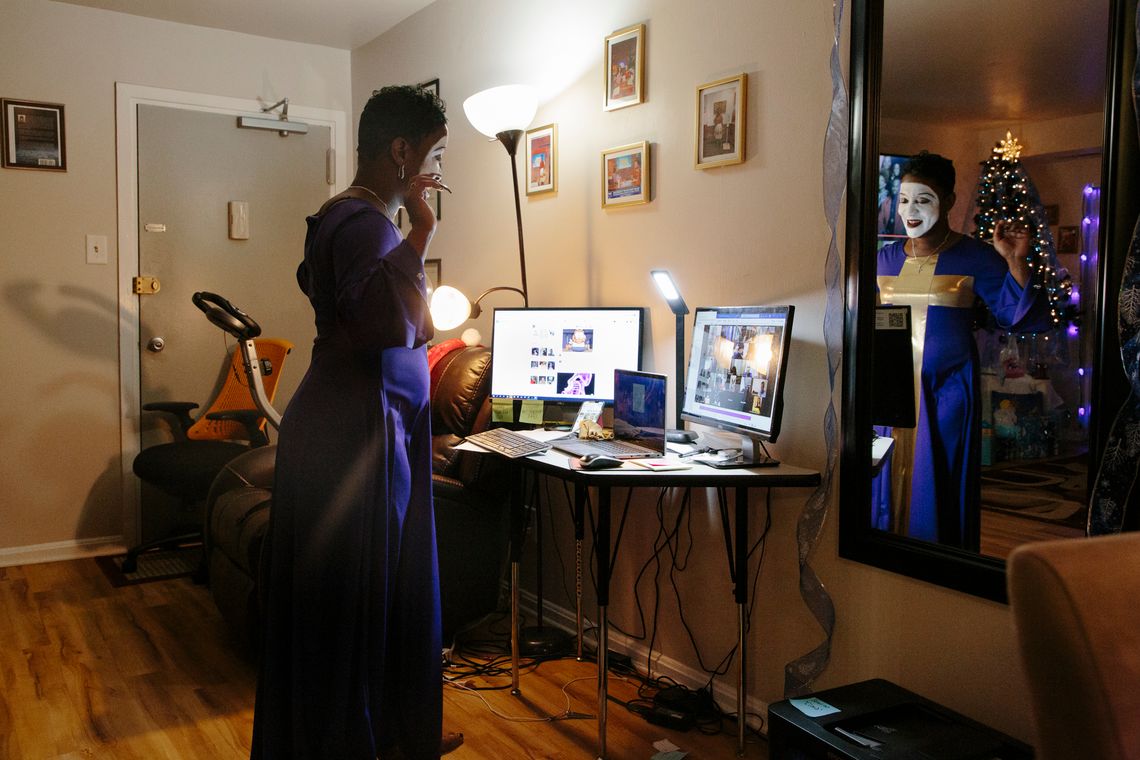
x: 639, y: 420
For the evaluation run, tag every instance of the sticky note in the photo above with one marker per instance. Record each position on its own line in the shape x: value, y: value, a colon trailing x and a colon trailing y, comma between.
x: 503, y: 409
x: 531, y: 412
x: 813, y: 707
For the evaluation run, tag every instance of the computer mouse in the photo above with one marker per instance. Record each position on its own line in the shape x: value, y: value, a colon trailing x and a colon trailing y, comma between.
x: 599, y: 462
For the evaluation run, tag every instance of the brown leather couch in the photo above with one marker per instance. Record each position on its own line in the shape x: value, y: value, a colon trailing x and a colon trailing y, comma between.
x: 1074, y: 605
x: 471, y: 507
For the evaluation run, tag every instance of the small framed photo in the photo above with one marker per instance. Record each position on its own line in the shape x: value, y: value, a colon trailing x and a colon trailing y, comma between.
x: 432, y: 86
x: 721, y: 108
x: 625, y: 175
x: 625, y: 68
x: 1067, y: 239
x: 542, y: 159
x: 33, y: 135
x: 433, y: 268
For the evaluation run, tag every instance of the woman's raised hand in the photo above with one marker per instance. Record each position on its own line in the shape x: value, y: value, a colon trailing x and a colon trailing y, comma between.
x: 1012, y: 241
x: 415, y: 199
x: 420, y: 213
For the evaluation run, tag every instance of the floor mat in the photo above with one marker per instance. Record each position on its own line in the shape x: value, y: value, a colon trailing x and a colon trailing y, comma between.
x: 152, y: 566
x: 1052, y: 490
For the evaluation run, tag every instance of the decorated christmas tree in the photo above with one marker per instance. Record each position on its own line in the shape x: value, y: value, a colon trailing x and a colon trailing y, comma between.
x: 1006, y: 192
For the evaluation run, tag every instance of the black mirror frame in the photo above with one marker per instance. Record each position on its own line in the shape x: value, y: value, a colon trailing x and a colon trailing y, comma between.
x: 1120, y: 203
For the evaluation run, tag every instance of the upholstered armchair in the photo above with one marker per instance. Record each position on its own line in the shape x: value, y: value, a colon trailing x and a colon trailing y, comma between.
x: 1074, y: 606
x: 470, y: 494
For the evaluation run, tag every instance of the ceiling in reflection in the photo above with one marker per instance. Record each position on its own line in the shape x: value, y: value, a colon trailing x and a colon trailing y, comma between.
x: 978, y: 62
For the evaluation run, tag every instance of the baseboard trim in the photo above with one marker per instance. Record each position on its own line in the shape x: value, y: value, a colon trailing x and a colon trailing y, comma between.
x: 567, y: 620
x: 62, y: 550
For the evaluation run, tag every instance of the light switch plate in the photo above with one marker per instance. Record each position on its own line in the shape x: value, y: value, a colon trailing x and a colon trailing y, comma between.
x: 239, y: 220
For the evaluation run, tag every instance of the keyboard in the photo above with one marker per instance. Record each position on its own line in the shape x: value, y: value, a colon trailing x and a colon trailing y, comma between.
x: 507, y: 442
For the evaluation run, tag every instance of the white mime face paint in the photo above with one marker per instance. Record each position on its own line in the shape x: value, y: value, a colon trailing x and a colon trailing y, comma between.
x: 919, y: 208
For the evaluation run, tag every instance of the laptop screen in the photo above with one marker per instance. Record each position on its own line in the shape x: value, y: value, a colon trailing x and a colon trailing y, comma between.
x: 639, y: 408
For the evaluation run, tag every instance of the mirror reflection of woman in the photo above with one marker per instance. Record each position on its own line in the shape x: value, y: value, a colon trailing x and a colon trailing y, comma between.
x: 930, y: 490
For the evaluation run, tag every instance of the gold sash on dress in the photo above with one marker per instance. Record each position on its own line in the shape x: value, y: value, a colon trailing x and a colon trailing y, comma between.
x: 917, y: 286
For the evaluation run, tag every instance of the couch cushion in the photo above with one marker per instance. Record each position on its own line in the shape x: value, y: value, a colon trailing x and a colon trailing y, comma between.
x: 461, y: 382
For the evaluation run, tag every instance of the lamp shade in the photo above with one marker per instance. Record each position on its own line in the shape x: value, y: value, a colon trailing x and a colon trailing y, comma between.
x: 449, y: 308
x: 501, y: 109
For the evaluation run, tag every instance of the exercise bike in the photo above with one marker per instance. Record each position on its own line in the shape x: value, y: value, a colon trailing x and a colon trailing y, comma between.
x: 185, y: 469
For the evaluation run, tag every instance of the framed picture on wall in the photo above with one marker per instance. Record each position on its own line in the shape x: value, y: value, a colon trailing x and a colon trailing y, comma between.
x: 433, y: 86
x: 433, y: 268
x: 33, y: 135
x: 625, y: 68
x: 1067, y: 239
x: 625, y: 175
x: 542, y: 159
x: 888, y: 226
x: 721, y: 108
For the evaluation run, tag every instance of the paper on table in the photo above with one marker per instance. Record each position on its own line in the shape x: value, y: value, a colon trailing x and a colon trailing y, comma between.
x: 658, y: 465
x: 813, y: 707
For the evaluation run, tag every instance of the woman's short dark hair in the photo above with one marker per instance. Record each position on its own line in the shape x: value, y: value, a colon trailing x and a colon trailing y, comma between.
x: 404, y: 111
x: 933, y: 168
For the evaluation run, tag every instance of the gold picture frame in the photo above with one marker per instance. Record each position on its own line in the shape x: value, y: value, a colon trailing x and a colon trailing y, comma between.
x: 722, y: 108
x: 624, y: 68
x: 626, y: 175
x: 542, y: 159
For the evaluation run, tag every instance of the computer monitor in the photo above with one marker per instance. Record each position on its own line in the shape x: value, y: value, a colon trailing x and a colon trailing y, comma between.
x: 735, y: 381
x: 563, y: 354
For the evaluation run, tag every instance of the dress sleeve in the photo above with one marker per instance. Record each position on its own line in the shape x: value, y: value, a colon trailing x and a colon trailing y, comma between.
x: 381, y: 296
x: 1013, y: 307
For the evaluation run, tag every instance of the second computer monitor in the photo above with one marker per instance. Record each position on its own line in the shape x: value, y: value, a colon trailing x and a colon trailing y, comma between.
x: 563, y: 354
x: 736, y: 368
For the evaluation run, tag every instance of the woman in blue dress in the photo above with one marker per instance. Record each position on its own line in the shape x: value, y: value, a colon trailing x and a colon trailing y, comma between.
x: 930, y: 490
x: 350, y: 665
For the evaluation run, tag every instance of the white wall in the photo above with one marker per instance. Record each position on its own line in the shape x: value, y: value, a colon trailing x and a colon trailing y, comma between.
x: 749, y: 233
x: 59, y: 412
x: 744, y: 234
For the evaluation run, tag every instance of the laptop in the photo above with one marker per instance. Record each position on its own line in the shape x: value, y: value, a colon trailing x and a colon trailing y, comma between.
x: 639, y: 420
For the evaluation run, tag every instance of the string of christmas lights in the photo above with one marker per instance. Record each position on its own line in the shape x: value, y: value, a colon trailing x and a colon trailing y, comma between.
x: 1006, y: 192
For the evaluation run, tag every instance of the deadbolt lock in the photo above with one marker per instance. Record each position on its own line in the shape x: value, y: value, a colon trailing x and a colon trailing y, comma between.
x: 146, y: 286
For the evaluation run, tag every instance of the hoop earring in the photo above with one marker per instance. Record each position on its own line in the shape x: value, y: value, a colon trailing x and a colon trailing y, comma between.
x: 401, y: 174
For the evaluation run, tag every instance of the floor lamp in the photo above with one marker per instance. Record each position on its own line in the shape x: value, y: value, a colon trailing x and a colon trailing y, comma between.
x: 672, y: 296
x: 503, y: 114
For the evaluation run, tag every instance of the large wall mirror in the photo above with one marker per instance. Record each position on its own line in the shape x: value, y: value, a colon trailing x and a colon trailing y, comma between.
x: 946, y: 500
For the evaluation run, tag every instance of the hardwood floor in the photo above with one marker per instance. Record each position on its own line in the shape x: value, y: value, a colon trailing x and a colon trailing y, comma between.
x: 149, y: 671
x: 1002, y: 532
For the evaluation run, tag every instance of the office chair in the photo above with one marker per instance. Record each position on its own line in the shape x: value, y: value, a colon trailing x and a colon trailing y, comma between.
x: 185, y: 468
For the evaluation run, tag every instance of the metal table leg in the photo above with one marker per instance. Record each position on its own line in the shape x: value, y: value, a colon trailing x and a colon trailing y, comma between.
x: 579, y: 532
x: 602, y: 552
x: 515, y: 474
x: 741, y: 602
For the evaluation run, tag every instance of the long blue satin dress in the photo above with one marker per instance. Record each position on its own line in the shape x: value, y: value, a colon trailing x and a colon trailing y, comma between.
x: 930, y: 488
x: 351, y: 660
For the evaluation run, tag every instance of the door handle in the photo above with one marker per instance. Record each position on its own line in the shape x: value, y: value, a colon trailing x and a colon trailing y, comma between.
x: 156, y: 344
